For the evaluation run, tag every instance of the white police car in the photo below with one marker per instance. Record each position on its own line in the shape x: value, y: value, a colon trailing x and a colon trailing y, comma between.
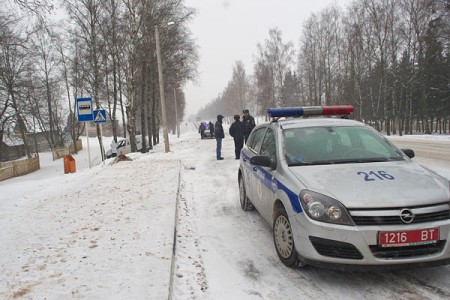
x: 338, y: 194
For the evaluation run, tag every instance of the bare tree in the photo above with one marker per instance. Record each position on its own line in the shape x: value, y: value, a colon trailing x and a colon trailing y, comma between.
x: 46, y: 78
x: 274, y: 60
x: 14, y: 66
x: 86, y: 14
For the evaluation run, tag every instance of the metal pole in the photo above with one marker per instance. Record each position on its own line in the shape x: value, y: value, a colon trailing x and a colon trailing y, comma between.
x: 87, y: 138
x: 161, y: 91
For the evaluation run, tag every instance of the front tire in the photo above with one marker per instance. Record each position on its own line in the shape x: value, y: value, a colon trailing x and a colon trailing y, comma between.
x: 283, y: 239
x: 246, y: 204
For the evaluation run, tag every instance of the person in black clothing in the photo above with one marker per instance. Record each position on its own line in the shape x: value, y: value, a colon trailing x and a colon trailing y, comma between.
x: 211, y: 129
x: 249, y: 124
x: 201, y: 129
x: 218, y: 132
x: 237, y: 132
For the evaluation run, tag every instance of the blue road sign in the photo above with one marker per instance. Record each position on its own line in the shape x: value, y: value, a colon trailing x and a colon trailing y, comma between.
x: 99, y: 116
x: 84, y: 108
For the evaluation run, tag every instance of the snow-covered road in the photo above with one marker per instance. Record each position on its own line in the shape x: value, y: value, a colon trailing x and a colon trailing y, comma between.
x: 108, y: 233
x: 234, y: 256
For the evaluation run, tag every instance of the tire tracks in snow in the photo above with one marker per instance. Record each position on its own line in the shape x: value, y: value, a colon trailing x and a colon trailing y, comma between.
x: 187, y: 272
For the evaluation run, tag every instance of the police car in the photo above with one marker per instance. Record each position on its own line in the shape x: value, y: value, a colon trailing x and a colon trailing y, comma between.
x: 338, y: 194
x: 205, y: 130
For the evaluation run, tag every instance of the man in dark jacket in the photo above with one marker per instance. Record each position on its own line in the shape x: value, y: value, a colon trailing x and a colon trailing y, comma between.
x: 219, y: 134
x: 211, y: 129
x: 237, y: 132
x: 249, y: 124
x: 201, y: 129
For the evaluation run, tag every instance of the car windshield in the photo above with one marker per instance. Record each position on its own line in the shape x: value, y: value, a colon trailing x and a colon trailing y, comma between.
x: 333, y: 145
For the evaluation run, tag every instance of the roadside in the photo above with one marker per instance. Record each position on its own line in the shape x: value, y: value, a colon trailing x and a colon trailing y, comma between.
x: 96, y: 234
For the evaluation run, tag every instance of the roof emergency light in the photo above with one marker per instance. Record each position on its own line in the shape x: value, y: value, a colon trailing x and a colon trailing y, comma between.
x: 279, y: 112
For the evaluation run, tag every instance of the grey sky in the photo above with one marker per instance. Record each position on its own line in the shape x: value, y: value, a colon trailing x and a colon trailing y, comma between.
x: 229, y: 30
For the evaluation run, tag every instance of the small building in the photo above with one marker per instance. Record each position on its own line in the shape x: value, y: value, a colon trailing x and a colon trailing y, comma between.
x: 11, y: 148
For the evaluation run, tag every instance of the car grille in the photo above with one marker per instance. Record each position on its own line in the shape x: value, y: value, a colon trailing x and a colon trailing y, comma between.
x: 391, y: 216
x: 407, y: 252
x: 335, y: 249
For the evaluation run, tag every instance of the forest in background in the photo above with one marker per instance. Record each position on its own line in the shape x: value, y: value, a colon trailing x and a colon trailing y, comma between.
x: 103, y: 49
x: 389, y: 59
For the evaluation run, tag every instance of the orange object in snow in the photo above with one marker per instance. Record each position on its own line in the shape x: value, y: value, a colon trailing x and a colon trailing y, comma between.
x: 69, y: 164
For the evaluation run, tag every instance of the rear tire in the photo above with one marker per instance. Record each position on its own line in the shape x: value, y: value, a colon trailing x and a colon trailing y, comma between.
x: 246, y: 204
x: 283, y: 239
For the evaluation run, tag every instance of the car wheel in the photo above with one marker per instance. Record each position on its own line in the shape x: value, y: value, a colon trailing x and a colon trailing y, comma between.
x: 283, y: 239
x: 245, y: 202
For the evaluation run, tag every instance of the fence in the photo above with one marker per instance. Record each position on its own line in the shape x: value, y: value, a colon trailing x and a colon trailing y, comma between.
x: 25, y: 166
x: 19, y: 167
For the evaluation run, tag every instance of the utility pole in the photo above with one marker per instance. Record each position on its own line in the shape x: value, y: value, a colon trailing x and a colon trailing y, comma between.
x: 161, y: 92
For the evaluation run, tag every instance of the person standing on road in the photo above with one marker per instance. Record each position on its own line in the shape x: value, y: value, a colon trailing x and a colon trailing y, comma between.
x: 201, y: 130
x: 211, y: 129
x: 219, y: 134
x: 249, y: 124
x: 113, y: 148
x: 237, y: 132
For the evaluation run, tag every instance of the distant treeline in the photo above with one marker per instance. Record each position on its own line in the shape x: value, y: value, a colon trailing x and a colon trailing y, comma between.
x: 390, y: 59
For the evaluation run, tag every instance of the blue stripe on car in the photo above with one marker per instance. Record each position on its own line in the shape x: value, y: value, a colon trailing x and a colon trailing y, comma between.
x: 267, y: 181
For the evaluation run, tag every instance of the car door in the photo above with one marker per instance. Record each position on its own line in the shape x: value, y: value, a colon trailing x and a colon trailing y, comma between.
x: 265, y: 176
x: 253, y: 145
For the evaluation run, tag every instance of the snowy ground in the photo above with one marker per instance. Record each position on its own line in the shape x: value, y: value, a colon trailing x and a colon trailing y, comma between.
x: 107, y: 232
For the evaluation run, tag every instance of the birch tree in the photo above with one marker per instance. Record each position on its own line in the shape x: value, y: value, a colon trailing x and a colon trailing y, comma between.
x: 274, y: 60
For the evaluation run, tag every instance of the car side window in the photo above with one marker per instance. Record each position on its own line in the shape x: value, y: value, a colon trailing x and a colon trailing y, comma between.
x: 268, y: 146
x: 257, y: 138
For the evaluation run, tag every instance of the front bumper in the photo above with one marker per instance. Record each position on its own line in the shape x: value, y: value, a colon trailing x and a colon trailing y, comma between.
x: 355, y: 247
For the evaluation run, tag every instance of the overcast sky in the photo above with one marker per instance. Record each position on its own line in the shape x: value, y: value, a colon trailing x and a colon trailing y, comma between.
x: 229, y: 30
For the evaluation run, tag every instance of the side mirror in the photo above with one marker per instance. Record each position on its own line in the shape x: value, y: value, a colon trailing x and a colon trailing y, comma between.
x: 264, y: 161
x: 409, y: 152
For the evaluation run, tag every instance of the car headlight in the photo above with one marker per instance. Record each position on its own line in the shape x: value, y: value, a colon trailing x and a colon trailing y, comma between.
x: 324, y: 209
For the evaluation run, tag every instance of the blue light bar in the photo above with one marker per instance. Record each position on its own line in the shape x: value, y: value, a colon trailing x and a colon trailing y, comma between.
x: 279, y: 112
x: 285, y: 112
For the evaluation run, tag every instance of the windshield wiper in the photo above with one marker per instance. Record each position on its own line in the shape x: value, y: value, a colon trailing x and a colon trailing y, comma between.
x: 345, y: 161
x: 349, y: 161
x: 296, y: 164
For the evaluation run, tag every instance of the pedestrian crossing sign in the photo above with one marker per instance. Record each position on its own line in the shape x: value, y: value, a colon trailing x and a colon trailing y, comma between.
x: 99, y: 116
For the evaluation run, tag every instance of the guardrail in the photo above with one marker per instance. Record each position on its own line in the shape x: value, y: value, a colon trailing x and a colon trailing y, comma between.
x: 19, y: 167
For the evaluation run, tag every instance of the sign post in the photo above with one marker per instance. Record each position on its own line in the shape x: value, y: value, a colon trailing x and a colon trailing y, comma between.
x: 84, y: 110
x: 99, y: 118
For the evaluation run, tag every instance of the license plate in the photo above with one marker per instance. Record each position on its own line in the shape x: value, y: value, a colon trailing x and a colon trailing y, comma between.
x: 408, y: 238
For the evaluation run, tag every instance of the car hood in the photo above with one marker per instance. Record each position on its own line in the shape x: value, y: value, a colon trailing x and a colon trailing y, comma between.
x: 387, y: 184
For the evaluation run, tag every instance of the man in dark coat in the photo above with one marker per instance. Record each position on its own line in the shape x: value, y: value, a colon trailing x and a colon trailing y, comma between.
x: 201, y: 129
x: 249, y: 124
x: 211, y: 128
x: 219, y: 134
x: 237, y: 132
